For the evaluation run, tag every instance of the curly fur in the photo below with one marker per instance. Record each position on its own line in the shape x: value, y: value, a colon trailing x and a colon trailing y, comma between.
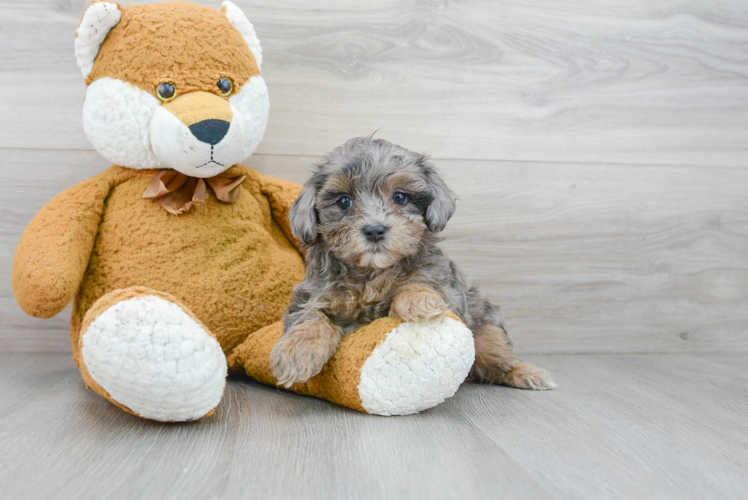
x: 354, y: 281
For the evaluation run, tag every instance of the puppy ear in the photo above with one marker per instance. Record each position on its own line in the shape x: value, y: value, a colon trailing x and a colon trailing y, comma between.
x: 97, y: 22
x: 303, y: 216
x: 443, y: 205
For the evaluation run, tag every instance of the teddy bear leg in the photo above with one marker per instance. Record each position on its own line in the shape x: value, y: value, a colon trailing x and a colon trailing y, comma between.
x: 148, y: 354
x: 385, y: 368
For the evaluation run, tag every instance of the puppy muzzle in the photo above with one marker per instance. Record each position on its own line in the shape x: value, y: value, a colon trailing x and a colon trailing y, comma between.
x: 374, y: 233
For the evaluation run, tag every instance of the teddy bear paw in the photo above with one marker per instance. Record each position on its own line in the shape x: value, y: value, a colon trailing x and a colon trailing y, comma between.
x: 416, y: 367
x: 152, y: 358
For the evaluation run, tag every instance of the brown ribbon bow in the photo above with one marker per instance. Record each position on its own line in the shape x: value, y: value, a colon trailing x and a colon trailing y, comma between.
x: 176, y: 192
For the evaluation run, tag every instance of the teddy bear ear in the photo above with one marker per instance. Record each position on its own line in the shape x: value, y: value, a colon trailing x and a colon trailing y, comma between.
x: 241, y: 23
x: 98, y: 20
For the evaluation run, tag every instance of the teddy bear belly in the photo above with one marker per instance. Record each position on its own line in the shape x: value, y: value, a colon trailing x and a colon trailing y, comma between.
x: 229, y: 263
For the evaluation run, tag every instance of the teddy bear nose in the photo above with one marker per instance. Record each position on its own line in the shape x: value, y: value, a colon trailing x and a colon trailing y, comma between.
x: 210, y: 131
x: 375, y: 233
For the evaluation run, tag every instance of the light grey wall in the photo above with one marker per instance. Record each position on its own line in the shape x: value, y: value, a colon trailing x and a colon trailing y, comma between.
x: 600, y: 149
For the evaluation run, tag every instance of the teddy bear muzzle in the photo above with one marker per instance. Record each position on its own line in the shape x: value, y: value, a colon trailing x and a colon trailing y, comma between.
x: 198, y: 134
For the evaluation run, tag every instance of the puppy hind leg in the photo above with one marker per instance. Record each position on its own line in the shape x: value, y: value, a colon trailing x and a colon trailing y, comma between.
x: 495, y: 362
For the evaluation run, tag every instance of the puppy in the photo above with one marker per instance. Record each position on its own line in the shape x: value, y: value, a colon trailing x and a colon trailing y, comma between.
x: 369, y: 218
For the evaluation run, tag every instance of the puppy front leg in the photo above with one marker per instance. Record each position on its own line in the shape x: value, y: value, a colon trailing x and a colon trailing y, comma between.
x: 305, y: 347
x: 418, y: 302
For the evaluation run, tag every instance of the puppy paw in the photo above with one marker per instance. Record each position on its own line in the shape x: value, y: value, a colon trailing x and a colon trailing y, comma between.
x: 527, y: 376
x: 418, y: 304
x: 303, y: 351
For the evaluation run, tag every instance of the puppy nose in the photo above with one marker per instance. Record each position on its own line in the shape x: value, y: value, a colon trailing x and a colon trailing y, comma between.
x: 374, y: 233
x: 210, y: 131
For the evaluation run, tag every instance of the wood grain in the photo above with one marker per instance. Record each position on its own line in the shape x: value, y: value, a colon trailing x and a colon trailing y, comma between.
x: 606, y: 259
x: 615, y: 258
x: 589, y: 257
x: 636, y: 426
x: 657, y: 426
x: 598, y: 149
x: 590, y: 81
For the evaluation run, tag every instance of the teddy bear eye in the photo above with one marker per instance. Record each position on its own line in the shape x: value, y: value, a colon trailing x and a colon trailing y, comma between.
x: 165, y: 91
x: 400, y: 198
x: 225, y: 86
x: 344, y: 202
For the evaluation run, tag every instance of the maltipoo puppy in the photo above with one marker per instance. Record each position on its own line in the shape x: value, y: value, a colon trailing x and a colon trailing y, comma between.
x: 369, y: 218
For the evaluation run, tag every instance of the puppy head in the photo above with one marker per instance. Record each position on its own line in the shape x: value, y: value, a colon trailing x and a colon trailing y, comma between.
x: 372, y: 202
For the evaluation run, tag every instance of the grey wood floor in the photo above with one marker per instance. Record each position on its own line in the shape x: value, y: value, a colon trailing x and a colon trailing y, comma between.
x: 599, y: 149
x: 620, y: 426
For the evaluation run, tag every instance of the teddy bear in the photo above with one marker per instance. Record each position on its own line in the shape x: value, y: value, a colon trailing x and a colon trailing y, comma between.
x: 179, y: 260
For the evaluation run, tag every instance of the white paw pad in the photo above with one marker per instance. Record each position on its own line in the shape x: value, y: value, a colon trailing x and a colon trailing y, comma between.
x: 417, y: 367
x: 155, y: 359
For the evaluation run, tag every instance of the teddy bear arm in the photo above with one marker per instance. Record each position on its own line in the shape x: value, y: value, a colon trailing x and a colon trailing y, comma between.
x: 281, y: 195
x: 55, y: 248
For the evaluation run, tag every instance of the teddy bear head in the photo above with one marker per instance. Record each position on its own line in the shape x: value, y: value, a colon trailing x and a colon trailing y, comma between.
x: 172, y: 85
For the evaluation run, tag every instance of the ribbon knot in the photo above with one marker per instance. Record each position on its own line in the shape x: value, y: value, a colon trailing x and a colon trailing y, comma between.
x: 176, y: 192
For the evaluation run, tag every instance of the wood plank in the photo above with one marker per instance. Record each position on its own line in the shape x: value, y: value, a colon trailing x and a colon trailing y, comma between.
x: 28, y: 377
x: 633, y: 426
x: 607, y: 258
x: 659, y: 426
x: 593, y: 81
x: 261, y: 442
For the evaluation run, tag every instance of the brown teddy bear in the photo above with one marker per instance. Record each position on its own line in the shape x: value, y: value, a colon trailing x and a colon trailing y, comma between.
x: 180, y: 262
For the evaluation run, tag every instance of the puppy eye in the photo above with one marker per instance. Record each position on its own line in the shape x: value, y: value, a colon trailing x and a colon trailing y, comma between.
x: 400, y: 198
x: 344, y: 202
x: 225, y: 86
x: 166, y: 91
